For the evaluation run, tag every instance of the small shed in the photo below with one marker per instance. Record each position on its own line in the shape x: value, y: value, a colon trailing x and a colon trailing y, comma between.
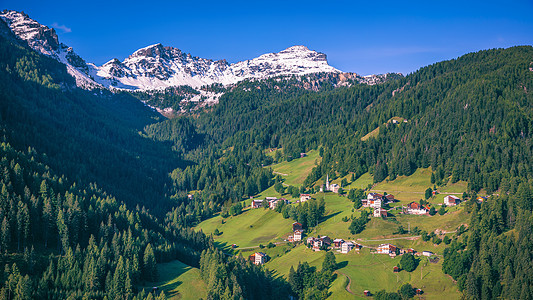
x: 395, y: 269
x: 367, y: 293
x: 419, y: 292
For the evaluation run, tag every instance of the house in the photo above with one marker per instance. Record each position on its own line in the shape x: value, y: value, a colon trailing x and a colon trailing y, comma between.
x: 434, y: 192
x: 390, y: 198
x: 297, y: 226
x: 258, y: 258
x: 374, y: 196
x: 302, y: 155
x: 367, y: 293
x: 358, y: 246
x: 334, y: 188
x: 257, y: 203
x: 451, y: 200
x: 481, y: 199
x: 337, y: 243
x: 419, y: 292
x: 310, y: 240
x: 427, y: 253
x: 380, y: 212
x: 326, y: 240
x: 298, y: 235
x: 387, y: 249
x: 273, y: 203
x: 317, y: 244
x: 374, y: 203
x: 411, y: 251
x: 395, y: 269
x: 190, y: 196
x: 305, y: 197
x: 415, y: 208
x: 346, y: 247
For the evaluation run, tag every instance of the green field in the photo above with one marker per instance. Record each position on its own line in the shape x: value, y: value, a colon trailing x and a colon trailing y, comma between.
x: 295, y: 171
x: 179, y: 281
x: 251, y: 228
x: 369, y: 271
x: 366, y: 270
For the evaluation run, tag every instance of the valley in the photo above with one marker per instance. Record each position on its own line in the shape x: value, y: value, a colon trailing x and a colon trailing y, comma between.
x: 165, y: 175
x: 254, y: 229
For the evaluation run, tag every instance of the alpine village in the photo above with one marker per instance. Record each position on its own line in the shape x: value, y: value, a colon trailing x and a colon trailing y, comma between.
x: 165, y: 175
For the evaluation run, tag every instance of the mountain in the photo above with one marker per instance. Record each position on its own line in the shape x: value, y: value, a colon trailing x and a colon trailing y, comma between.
x: 159, y: 67
x: 44, y: 40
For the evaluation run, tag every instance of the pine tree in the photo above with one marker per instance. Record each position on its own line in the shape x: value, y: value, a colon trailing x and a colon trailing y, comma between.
x: 150, y: 266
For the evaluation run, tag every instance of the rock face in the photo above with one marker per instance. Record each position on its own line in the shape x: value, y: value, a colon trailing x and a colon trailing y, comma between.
x: 159, y: 67
x: 44, y: 40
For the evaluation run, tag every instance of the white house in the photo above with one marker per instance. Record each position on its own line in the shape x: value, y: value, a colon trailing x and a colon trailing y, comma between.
x: 380, y: 212
x: 260, y: 258
x: 427, y: 253
x: 257, y: 203
x: 451, y: 200
x: 305, y: 197
x: 346, y: 247
x: 298, y: 235
x: 415, y: 208
x: 387, y: 249
x: 334, y: 188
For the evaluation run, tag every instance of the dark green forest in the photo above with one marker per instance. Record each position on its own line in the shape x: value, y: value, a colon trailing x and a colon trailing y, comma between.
x: 94, y: 184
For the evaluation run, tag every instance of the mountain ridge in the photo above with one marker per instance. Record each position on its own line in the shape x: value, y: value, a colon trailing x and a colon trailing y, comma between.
x: 159, y: 67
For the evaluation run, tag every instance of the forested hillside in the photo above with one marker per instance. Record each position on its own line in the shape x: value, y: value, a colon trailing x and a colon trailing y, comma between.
x: 95, y: 186
x: 88, y: 136
x: 469, y: 119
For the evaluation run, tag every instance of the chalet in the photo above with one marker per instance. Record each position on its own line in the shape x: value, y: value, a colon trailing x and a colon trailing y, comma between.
x: 302, y: 155
x: 481, y: 199
x: 305, y: 197
x: 415, y: 208
x: 298, y: 235
x: 419, y: 292
x: 434, y: 192
x: 257, y: 203
x: 346, y: 247
x: 317, y: 244
x: 297, y: 226
x: 374, y: 196
x: 395, y: 269
x: 334, y: 188
x: 358, y: 246
x: 258, y: 258
x: 451, y: 200
x: 387, y: 249
x: 390, y: 198
x: 273, y: 203
x: 427, y: 253
x: 326, y: 240
x: 411, y: 251
x: 337, y: 243
x: 380, y: 212
x: 367, y: 293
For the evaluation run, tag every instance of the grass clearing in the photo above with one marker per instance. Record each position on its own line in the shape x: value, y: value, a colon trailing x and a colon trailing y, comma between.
x: 179, y: 281
x: 295, y: 171
x: 251, y: 228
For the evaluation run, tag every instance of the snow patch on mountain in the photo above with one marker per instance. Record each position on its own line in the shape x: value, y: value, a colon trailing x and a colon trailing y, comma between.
x: 44, y: 40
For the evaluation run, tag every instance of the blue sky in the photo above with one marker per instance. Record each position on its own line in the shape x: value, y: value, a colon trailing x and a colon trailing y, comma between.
x: 357, y: 36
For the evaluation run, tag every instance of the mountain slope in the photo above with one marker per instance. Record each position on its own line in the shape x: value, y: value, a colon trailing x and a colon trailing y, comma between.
x: 159, y: 67
x: 39, y: 105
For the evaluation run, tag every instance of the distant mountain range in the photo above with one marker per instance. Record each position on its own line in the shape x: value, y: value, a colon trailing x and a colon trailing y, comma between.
x: 159, y: 67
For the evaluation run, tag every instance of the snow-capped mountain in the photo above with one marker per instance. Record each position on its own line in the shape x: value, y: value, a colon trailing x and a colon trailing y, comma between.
x: 157, y: 66
x: 44, y: 40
